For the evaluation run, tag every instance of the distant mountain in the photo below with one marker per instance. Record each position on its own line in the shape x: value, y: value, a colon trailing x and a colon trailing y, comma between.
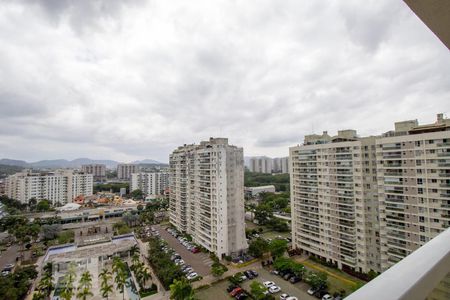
x: 148, y: 162
x: 64, y: 163
x: 13, y: 162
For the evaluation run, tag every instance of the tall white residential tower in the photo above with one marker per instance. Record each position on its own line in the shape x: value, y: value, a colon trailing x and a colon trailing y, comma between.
x: 207, y: 195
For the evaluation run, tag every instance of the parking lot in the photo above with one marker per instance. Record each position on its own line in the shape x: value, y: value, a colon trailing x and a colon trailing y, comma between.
x: 298, y: 289
x: 200, y: 262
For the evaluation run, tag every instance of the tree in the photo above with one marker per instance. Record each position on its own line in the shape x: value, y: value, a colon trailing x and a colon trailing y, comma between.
x: 181, y: 290
x: 32, y: 203
x: 38, y: 296
x: 278, y: 247
x: 217, y: 269
x: 50, y: 231
x: 258, y: 247
x: 120, y: 275
x: 105, y: 286
x: 46, y: 285
x: 68, y: 288
x: 43, y: 205
x: 257, y: 290
x: 137, y: 194
x: 263, y: 213
x: 316, y: 280
x: 84, y: 286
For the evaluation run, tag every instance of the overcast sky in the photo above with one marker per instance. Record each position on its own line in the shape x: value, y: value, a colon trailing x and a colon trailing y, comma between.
x: 134, y: 79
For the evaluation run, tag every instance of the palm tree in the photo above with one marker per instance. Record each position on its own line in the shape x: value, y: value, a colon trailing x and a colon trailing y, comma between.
x: 145, y: 275
x: 181, y: 290
x: 46, y: 284
x: 84, y: 286
x: 135, y: 249
x: 135, y: 261
x: 120, y: 274
x: 38, y: 296
x: 120, y: 280
x: 105, y: 287
x: 69, y: 279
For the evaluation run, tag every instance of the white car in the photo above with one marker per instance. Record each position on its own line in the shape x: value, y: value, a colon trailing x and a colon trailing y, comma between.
x: 327, y: 297
x: 311, y: 291
x: 274, y: 289
x: 268, y: 284
x: 192, y: 275
x: 284, y: 296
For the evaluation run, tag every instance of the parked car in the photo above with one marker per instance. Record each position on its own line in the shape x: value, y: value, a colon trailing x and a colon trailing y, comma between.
x: 231, y: 287
x: 288, y: 276
x: 192, y: 275
x: 268, y: 284
x: 294, y: 279
x: 284, y: 296
x: 195, y: 250
x: 241, y: 296
x: 249, y: 274
x: 327, y: 297
x: 311, y: 291
x: 274, y: 289
x: 275, y: 272
x: 320, y: 293
x: 235, y: 291
x: 255, y: 274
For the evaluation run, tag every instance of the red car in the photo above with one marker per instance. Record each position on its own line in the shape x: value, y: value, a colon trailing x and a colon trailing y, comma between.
x: 195, y: 250
x: 236, y: 291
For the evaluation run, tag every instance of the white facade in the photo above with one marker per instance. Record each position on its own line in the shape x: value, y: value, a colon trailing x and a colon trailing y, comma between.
x: 269, y: 165
x: 261, y: 164
x: 124, y: 171
x: 255, y: 190
x: 333, y: 200
x: 152, y: 183
x: 59, y: 186
x: 413, y: 187
x: 98, y: 170
x: 207, y: 195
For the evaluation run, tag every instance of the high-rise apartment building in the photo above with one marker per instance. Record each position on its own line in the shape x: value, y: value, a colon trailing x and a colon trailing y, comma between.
x: 413, y: 186
x: 151, y: 183
x: 280, y: 165
x: 333, y: 200
x: 366, y: 203
x: 207, y: 195
x: 97, y: 170
x: 124, y: 171
x: 261, y: 164
x: 61, y: 186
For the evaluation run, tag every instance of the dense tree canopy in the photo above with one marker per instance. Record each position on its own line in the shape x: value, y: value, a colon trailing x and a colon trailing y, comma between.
x: 280, y: 181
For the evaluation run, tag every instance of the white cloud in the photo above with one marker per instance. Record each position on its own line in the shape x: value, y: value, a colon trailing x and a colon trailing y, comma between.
x: 135, y: 79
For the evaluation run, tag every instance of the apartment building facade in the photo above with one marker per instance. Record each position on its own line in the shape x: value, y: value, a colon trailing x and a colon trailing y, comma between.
x: 207, y: 195
x: 124, y: 171
x: 261, y: 164
x: 97, y: 170
x: 280, y: 165
x: 151, y: 183
x: 334, y: 201
x: 413, y: 186
x: 61, y: 186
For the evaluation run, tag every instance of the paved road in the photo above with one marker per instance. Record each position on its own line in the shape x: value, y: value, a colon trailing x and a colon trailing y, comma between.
x: 199, y: 261
x: 9, y: 256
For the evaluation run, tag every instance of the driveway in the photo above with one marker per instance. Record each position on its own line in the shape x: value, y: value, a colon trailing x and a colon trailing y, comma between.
x: 199, y: 261
x: 9, y: 256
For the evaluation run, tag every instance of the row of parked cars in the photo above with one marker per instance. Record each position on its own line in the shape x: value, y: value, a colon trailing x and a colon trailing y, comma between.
x: 188, y: 271
x: 286, y: 275
x: 184, y: 241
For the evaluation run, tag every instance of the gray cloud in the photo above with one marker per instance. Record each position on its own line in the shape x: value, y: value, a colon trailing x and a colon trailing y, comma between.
x: 135, y: 79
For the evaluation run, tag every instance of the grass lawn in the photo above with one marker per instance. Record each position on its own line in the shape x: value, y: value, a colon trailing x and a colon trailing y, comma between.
x: 275, y: 234
x: 337, y: 279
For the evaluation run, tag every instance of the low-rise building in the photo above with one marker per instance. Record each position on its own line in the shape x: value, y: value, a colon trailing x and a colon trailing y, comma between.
x: 254, y: 191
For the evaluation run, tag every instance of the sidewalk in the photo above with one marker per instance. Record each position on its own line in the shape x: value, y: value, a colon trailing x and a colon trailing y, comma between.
x: 144, y: 256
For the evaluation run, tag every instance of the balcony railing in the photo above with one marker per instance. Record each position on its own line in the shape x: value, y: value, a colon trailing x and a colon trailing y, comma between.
x: 415, y: 276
